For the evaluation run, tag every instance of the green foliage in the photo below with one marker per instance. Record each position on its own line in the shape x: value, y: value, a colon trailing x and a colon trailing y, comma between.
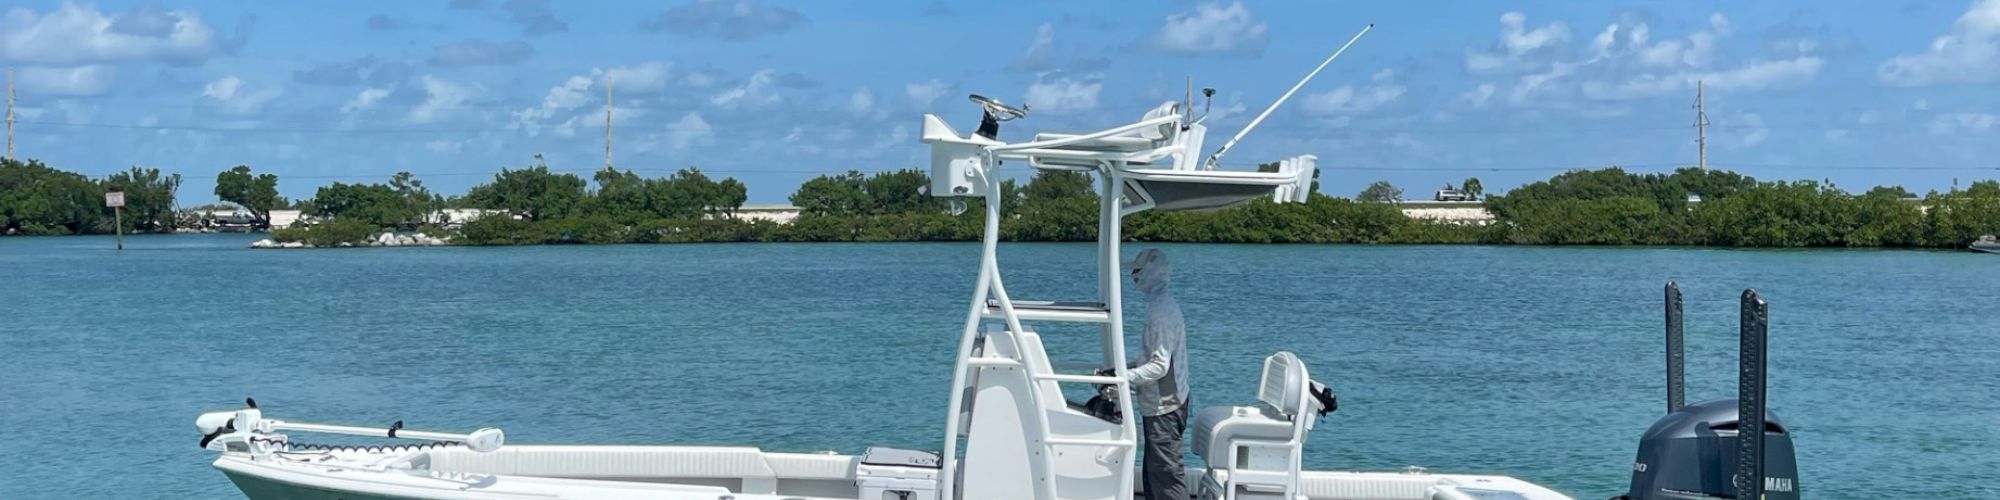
x: 1959, y: 217
x: 1600, y: 207
x: 415, y: 202
x: 36, y: 199
x: 1782, y: 214
x: 1381, y: 192
x: 834, y: 195
x: 1057, y: 205
x: 534, y: 193
x: 328, y: 234
x: 591, y: 230
x: 376, y: 204
x: 149, y: 198
x: 501, y: 230
x: 1891, y: 192
x: 627, y: 198
x: 255, y: 193
x: 1472, y: 187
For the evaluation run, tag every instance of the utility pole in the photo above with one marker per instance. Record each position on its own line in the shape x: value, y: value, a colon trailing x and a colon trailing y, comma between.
x: 607, y: 121
x: 1700, y: 126
x: 10, y: 113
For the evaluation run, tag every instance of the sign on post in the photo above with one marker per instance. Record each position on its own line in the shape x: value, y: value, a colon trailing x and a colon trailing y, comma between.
x: 116, y: 201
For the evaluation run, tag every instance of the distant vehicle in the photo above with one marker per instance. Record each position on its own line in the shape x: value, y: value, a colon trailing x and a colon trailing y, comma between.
x: 1455, y: 195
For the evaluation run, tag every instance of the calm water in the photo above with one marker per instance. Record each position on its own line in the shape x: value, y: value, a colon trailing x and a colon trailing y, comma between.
x: 1538, y: 362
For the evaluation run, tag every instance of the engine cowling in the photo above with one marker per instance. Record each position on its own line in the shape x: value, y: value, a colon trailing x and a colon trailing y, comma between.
x: 1690, y: 454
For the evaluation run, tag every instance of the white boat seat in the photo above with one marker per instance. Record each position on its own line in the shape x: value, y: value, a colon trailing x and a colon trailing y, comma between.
x: 1217, y: 427
x: 1255, y: 451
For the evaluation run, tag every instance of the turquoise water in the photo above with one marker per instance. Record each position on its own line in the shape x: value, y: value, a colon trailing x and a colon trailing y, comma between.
x: 1542, y: 363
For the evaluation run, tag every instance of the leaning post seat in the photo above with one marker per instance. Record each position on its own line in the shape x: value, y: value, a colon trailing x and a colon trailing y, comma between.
x: 1254, y: 451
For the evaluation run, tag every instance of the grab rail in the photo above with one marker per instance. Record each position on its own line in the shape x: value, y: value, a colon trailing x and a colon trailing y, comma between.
x: 1154, y: 122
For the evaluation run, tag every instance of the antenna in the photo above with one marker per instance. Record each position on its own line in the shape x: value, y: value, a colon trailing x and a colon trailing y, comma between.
x: 1212, y: 159
x: 1701, y: 125
x: 607, y: 121
x: 1187, y: 109
x: 10, y: 113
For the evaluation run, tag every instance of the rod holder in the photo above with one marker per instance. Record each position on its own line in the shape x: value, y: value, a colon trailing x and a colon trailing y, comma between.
x: 1676, y: 352
x: 1750, y: 397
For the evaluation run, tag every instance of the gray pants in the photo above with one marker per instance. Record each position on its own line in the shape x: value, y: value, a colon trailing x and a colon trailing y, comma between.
x: 1165, y: 475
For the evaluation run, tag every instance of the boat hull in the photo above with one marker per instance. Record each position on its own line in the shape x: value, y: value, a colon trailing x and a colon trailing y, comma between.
x: 292, y: 480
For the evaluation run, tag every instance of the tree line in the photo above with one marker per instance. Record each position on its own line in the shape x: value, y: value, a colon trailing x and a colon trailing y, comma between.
x: 535, y: 205
x: 36, y: 199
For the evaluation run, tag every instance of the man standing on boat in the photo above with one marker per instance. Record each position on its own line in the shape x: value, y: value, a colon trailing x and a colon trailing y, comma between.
x: 1161, y: 379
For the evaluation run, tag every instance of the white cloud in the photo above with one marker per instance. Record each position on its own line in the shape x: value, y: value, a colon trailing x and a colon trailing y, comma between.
x: 570, y: 94
x: 1212, y: 29
x: 1971, y: 123
x: 237, y: 98
x: 445, y: 146
x: 1969, y: 54
x: 1761, y: 75
x: 736, y: 20
x: 1406, y: 141
x: 689, y: 130
x: 925, y: 93
x: 1533, y: 83
x: 1516, y: 43
x: 701, y: 79
x: 1921, y: 105
x: 443, y: 100
x: 73, y: 112
x: 1624, y: 62
x: 898, y: 138
x: 365, y: 100
x: 862, y: 102
x: 1348, y: 100
x: 86, y: 80
x: 758, y: 91
x: 75, y: 34
x: 1754, y: 131
x: 1065, y: 95
x: 1478, y: 96
x: 1044, y: 56
x: 1765, y: 74
x: 1219, y: 112
x: 639, y: 78
x: 580, y: 90
x: 1836, y: 134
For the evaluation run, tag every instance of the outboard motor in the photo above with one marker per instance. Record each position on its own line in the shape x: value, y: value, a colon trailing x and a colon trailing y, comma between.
x: 1701, y: 451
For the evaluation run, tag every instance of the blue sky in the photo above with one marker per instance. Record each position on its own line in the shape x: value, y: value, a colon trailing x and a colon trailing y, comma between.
x: 773, y: 93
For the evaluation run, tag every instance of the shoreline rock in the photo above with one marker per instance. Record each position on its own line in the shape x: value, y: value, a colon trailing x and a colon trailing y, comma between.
x: 384, y: 239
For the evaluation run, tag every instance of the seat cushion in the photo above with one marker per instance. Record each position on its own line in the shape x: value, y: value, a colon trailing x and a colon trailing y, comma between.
x: 1215, y: 427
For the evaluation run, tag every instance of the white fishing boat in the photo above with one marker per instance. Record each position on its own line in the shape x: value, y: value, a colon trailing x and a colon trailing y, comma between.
x: 1009, y: 434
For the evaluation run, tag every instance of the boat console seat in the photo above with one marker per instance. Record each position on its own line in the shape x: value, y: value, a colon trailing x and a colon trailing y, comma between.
x: 1255, y: 450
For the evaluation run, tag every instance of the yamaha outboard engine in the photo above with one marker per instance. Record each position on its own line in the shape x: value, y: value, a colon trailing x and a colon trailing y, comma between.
x: 1703, y: 451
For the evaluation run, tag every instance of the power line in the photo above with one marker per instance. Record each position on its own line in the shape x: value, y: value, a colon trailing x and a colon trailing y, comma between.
x: 192, y: 128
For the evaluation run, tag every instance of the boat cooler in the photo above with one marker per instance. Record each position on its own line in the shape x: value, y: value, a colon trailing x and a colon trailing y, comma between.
x: 897, y: 474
